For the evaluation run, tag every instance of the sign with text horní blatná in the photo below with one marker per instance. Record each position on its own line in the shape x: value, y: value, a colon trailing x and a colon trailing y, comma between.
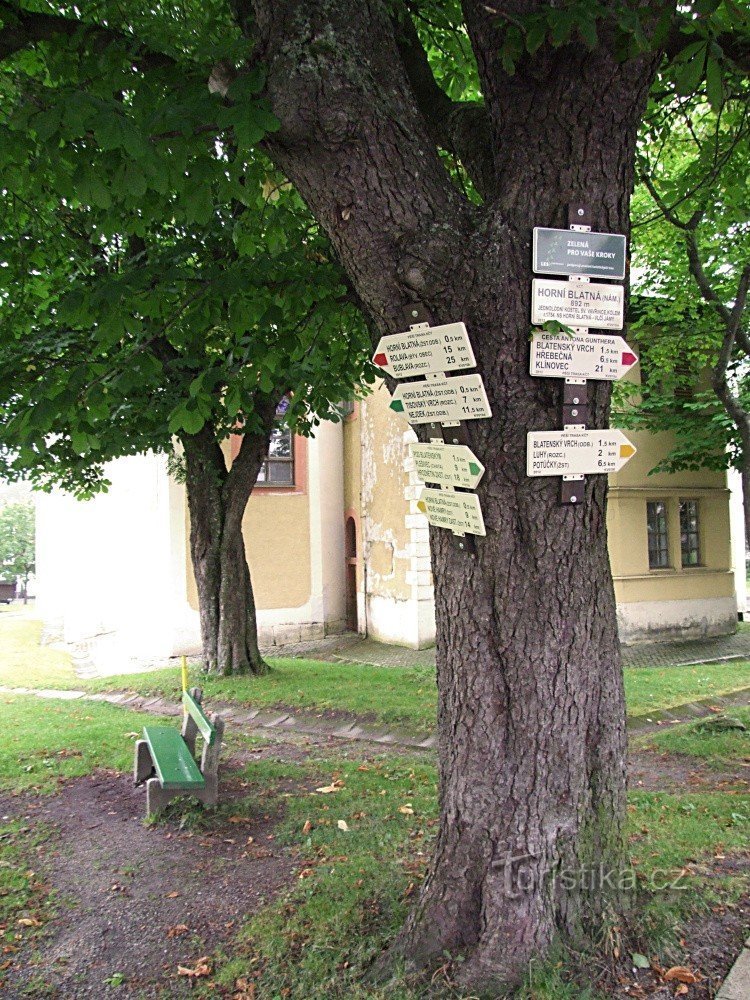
x: 576, y: 453
x: 577, y: 303
x: 562, y: 251
x: 425, y: 351
x: 444, y: 400
x: 458, y: 511
x: 590, y: 355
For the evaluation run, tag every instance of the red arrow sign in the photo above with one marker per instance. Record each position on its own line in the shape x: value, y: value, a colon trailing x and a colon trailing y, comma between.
x: 381, y: 360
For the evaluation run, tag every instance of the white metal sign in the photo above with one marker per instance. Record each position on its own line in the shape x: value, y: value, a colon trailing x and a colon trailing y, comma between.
x: 460, y: 512
x: 577, y: 303
x: 591, y: 355
x: 447, y: 464
x: 444, y: 400
x: 424, y: 351
x: 576, y: 453
x: 563, y: 251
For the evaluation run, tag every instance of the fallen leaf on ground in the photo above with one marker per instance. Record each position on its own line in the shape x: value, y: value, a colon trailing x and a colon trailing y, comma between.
x: 406, y: 810
x: 172, y: 895
x: 333, y: 787
x: 342, y: 825
x: 202, y: 967
x: 29, y: 922
x: 307, y: 826
x: 681, y: 974
x: 177, y: 930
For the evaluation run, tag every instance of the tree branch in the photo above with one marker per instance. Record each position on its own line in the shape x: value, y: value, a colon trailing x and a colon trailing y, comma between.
x: 459, y: 127
x: 22, y: 28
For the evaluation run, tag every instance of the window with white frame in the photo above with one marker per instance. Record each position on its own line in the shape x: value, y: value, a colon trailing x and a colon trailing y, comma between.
x: 658, y: 534
x: 690, y: 533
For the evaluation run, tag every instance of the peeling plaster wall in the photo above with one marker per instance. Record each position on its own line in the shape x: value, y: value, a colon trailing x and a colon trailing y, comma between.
x: 399, y: 596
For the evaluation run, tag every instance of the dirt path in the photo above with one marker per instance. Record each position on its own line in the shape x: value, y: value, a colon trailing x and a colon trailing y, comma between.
x: 655, y: 771
x: 138, y: 900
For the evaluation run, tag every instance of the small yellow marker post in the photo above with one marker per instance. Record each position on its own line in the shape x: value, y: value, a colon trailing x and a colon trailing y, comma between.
x: 184, y: 675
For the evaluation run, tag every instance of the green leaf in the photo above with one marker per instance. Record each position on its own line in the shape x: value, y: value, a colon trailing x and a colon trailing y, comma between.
x: 714, y: 83
x: 690, y: 75
x: 640, y: 961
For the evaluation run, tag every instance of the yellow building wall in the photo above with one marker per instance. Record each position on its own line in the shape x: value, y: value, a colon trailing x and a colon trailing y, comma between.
x: 276, y: 530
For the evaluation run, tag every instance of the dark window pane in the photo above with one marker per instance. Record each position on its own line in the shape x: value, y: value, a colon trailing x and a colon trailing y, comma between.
x: 658, y: 536
x: 689, y: 533
x: 278, y: 467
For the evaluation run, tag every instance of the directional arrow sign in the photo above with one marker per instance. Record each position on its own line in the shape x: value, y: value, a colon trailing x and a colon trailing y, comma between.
x: 577, y: 303
x: 576, y: 453
x: 443, y: 400
x: 430, y: 350
x: 458, y: 511
x: 560, y: 251
x: 447, y: 464
x: 589, y: 355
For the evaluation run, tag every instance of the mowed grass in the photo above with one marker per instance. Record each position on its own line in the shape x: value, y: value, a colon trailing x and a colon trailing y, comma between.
x: 707, y: 740
x: 363, y: 851
x: 394, y: 696
x: 26, y: 663
x: 46, y: 741
x: 653, y: 688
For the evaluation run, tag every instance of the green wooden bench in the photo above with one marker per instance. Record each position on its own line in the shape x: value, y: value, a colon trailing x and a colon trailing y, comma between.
x: 165, y: 758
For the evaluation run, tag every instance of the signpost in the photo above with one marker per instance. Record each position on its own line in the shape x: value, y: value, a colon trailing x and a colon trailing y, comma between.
x: 584, y: 356
x: 425, y: 350
x: 442, y: 400
x: 566, y: 252
x: 576, y: 453
x: 577, y: 304
x: 460, y: 512
x: 447, y: 464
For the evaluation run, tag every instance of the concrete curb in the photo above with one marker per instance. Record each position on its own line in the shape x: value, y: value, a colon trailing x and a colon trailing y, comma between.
x: 249, y: 719
x: 737, y: 984
x: 351, y: 727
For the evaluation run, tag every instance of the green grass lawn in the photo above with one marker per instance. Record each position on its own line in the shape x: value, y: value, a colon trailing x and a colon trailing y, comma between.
x: 400, y: 696
x: 728, y: 748
x: 362, y: 853
x: 25, y: 663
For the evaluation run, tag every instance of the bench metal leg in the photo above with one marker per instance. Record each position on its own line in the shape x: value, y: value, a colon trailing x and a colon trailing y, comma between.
x: 143, y: 766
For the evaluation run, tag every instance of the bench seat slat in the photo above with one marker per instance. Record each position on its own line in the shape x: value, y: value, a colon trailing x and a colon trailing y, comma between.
x: 172, y: 759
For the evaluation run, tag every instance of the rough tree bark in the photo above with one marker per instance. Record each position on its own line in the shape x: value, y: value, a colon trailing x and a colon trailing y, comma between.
x: 531, y: 712
x: 217, y: 498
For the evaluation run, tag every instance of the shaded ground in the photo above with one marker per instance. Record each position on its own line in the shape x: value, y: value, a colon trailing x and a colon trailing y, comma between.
x: 139, y: 901
x: 711, y: 944
x: 654, y: 771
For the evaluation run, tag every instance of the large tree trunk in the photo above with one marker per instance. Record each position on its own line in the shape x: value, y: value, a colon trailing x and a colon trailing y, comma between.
x: 531, y: 714
x: 217, y: 498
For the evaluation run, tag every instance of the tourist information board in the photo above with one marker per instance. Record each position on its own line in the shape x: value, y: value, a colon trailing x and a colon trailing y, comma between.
x: 460, y: 512
x: 577, y: 303
x: 562, y: 251
x: 447, y: 464
x: 425, y: 351
x: 590, y: 355
x: 576, y: 453
x: 444, y: 400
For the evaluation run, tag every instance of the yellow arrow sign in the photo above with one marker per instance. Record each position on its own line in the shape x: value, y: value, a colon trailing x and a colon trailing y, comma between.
x: 626, y: 450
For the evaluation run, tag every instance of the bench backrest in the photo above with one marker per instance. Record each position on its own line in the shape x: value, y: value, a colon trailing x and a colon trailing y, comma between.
x: 193, y: 709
